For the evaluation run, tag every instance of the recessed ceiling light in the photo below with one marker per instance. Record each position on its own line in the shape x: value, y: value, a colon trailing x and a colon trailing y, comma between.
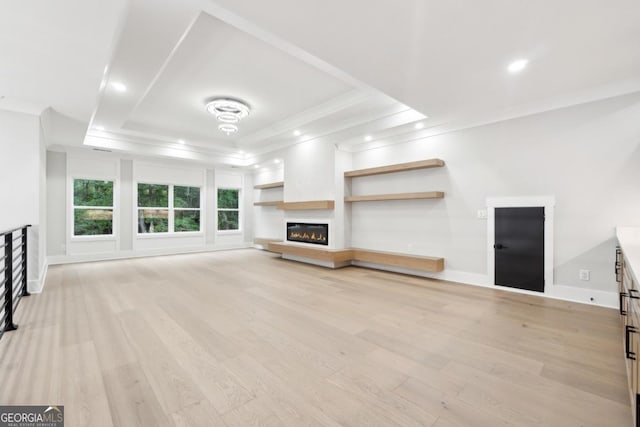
x: 297, y: 133
x: 120, y: 87
x: 181, y: 141
x: 518, y: 65
x: 256, y: 166
x: 98, y: 127
x: 418, y: 126
x: 276, y: 161
x: 368, y: 138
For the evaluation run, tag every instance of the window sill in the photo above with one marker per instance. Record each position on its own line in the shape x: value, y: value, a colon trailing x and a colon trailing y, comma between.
x: 103, y: 238
x: 229, y: 232
x: 169, y: 235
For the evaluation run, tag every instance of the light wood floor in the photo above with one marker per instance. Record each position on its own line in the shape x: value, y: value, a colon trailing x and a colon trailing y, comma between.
x: 243, y: 338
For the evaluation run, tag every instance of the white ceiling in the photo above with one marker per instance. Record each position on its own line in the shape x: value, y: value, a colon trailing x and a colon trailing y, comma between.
x: 334, y: 70
x: 53, y: 53
x: 445, y: 58
x: 216, y: 59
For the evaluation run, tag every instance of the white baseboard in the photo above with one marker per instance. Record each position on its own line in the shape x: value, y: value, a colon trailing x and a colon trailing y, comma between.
x: 585, y: 296
x: 108, y: 256
x: 35, y: 286
x: 448, y: 275
x: 554, y: 291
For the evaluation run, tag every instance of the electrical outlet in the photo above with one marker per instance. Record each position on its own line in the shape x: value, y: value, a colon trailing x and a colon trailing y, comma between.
x: 482, y: 214
x: 585, y: 275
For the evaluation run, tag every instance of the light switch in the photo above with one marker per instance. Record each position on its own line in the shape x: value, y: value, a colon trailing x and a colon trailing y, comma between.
x: 482, y: 214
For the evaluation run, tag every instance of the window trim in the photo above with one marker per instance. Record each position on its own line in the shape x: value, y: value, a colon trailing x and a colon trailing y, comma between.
x: 72, y: 210
x: 171, y: 209
x: 239, y: 230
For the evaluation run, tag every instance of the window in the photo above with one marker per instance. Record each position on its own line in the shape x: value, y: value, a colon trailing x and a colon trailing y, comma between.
x: 228, y: 211
x: 92, y: 207
x: 153, y: 208
x: 168, y: 208
x: 186, y: 202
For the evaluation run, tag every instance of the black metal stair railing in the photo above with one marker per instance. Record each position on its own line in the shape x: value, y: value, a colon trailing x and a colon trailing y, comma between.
x: 13, y: 275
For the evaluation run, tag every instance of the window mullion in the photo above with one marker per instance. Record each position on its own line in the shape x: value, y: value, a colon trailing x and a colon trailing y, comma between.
x: 171, y: 210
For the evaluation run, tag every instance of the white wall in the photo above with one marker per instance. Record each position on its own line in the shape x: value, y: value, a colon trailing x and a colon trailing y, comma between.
x: 309, y: 174
x: 268, y: 221
x: 21, y: 176
x: 56, y: 203
x: 586, y: 156
x: 126, y: 173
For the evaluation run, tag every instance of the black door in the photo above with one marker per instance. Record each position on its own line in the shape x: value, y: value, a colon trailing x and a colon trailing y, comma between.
x: 519, y: 248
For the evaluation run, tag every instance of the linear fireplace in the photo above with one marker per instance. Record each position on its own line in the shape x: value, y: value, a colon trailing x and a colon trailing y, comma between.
x: 318, y: 234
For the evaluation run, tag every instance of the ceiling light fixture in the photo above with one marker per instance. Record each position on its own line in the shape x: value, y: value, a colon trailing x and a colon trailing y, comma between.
x: 276, y: 161
x: 119, y: 86
x: 228, y: 111
x: 256, y: 166
x: 368, y: 138
x: 181, y: 141
x: 418, y: 126
x: 228, y: 128
x: 99, y: 127
x: 517, y: 66
x: 297, y: 133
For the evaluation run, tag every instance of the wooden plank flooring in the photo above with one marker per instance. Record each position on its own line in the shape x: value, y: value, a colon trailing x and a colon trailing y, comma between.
x: 243, y: 338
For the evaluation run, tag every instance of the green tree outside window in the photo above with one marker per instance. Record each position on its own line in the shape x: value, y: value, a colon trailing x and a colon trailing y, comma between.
x: 92, y: 207
x: 228, y: 209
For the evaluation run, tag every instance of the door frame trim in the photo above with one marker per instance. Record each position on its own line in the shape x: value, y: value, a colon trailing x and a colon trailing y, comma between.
x: 548, y: 203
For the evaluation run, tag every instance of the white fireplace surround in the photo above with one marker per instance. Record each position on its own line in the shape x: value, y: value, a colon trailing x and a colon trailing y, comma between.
x: 331, y: 234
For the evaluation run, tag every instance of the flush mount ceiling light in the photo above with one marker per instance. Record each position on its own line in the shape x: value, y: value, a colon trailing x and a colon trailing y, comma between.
x: 517, y: 66
x: 228, y: 111
x: 297, y: 133
x: 368, y: 138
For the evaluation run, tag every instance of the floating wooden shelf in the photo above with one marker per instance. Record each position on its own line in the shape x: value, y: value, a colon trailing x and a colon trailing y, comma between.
x: 412, y: 262
x: 264, y: 241
x: 311, y: 205
x: 398, y: 196
x: 271, y: 203
x: 401, y: 167
x: 329, y: 255
x: 270, y: 185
